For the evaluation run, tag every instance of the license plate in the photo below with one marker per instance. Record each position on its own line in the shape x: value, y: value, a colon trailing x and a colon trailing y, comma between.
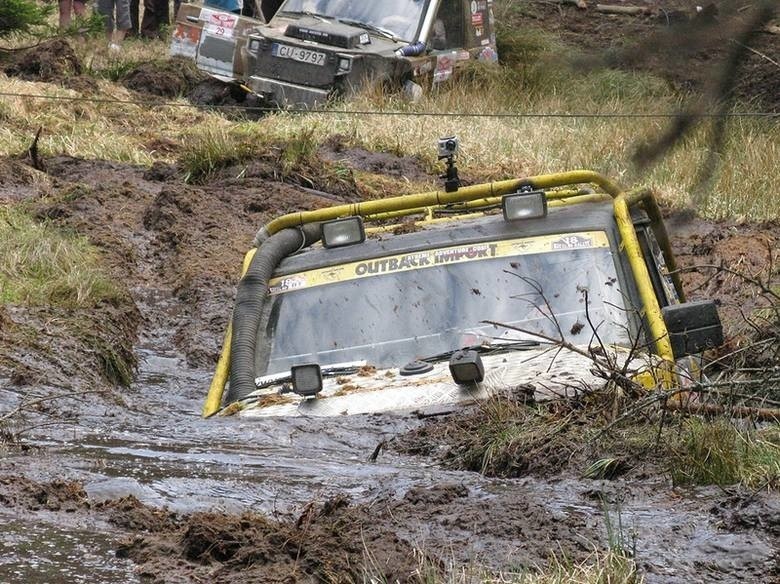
x: 298, y: 54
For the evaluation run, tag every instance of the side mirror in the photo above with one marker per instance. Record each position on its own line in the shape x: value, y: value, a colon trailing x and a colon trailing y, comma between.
x: 693, y: 327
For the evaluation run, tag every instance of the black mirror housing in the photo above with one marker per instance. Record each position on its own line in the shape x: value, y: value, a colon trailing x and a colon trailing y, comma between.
x: 693, y: 327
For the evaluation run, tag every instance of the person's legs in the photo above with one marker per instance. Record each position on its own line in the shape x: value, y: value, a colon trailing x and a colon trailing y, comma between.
x: 149, y: 21
x: 156, y: 15
x: 123, y: 22
x: 164, y: 13
x: 106, y: 9
x: 134, y: 19
x: 65, y: 8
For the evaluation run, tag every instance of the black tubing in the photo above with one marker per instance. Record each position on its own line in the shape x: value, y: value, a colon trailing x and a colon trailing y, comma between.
x: 251, y: 296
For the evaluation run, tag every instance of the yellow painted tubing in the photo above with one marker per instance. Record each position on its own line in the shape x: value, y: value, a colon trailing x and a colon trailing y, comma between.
x: 655, y: 320
x: 437, y: 198
x: 214, y: 397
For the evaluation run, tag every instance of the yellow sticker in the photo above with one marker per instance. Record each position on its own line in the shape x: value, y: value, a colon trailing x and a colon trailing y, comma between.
x: 431, y: 258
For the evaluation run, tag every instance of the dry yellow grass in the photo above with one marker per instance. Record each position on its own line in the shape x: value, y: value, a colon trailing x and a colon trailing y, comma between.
x: 506, y: 147
x: 492, y: 148
x: 601, y: 567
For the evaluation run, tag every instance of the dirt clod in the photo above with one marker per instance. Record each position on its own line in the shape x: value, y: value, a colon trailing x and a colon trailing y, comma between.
x: 173, y: 78
x: 51, y: 61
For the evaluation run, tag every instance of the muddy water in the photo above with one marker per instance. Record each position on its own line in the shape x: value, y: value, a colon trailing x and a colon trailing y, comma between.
x: 156, y: 447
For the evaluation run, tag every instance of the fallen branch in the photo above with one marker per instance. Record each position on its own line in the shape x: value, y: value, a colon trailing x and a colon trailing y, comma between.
x: 612, y: 9
x: 27, y: 404
x: 760, y: 54
x: 763, y: 414
x: 581, y: 4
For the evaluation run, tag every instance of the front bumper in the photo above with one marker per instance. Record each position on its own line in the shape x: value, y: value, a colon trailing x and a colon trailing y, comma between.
x: 288, y: 94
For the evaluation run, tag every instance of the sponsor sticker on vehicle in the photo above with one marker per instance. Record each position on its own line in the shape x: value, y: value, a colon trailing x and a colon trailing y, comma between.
x: 572, y: 242
x: 218, y: 23
x: 184, y: 41
x: 445, y: 64
x: 300, y: 54
x: 437, y: 257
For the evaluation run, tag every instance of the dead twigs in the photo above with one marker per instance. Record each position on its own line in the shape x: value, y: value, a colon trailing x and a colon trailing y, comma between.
x: 33, y: 154
x: 620, y: 9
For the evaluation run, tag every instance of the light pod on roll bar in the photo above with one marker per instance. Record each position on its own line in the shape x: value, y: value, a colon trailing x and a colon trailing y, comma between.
x: 524, y: 205
x: 343, y: 232
x: 306, y: 379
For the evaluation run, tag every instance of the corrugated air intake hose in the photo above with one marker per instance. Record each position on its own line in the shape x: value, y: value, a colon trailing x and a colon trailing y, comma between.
x: 251, y: 295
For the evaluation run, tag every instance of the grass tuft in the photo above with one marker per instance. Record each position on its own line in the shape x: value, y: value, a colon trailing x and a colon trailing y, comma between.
x: 41, y: 265
x: 211, y: 150
x: 718, y: 453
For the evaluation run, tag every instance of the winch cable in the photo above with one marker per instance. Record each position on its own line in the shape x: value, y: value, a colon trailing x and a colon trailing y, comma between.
x: 251, y: 296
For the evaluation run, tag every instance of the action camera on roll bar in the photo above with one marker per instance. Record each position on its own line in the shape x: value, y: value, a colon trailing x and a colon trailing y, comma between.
x: 448, y: 148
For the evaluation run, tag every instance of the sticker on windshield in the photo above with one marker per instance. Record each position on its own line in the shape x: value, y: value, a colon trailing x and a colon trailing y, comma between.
x: 430, y: 258
x: 572, y: 242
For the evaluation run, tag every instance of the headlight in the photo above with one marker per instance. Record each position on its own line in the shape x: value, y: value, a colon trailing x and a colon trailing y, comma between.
x: 530, y: 205
x: 343, y: 232
x: 466, y: 367
x: 306, y: 379
x: 256, y: 44
x: 345, y: 64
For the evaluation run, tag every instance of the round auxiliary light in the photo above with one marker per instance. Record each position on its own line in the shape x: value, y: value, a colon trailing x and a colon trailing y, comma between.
x: 416, y: 368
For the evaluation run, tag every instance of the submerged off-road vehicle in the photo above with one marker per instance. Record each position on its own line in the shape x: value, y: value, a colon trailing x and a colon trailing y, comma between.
x: 312, y: 50
x: 479, y: 290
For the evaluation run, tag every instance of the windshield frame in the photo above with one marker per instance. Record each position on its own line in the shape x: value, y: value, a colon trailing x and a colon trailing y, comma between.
x: 286, y: 11
x: 592, y: 219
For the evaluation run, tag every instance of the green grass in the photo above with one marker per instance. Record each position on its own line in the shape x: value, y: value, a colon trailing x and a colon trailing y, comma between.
x: 208, y: 151
x: 42, y: 265
x: 718, y: 453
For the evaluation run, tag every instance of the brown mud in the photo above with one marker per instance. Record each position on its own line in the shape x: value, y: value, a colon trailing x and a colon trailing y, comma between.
x: 171, y: 78
x: 178, y: 499
x: 133, y: 486
x: 52, y: 61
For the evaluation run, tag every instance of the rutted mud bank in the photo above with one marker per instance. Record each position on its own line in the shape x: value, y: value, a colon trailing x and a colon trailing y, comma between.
x: 174, y: 498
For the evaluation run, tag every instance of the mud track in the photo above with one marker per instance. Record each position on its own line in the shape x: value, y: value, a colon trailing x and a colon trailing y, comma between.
x: 171, y: 498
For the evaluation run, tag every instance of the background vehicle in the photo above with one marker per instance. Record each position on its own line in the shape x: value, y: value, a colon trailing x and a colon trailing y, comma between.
x: 313, y: 49
x: 468, y: 303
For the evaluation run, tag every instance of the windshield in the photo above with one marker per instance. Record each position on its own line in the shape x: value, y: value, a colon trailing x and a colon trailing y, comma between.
x: 390, y: 311
x: 399, y: 17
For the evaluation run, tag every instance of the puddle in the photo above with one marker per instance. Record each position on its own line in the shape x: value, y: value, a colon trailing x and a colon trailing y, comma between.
x: 35, y: 552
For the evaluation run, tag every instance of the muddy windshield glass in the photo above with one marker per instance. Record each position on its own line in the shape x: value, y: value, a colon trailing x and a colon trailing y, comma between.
x: 389, y: 311
x: 400, y: 18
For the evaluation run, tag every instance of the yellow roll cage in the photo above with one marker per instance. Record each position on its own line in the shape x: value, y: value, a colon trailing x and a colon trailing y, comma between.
x: 489, y: 194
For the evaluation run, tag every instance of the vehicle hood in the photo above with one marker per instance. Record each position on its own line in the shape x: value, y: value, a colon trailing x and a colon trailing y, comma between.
x: 313, y: 32
x: 539, y: 374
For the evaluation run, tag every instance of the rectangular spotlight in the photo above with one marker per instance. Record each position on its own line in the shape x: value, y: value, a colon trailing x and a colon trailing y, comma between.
x: 342, y: 232
x: 466, y: 367
x: 306, y: 379
x: 530, y: 205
